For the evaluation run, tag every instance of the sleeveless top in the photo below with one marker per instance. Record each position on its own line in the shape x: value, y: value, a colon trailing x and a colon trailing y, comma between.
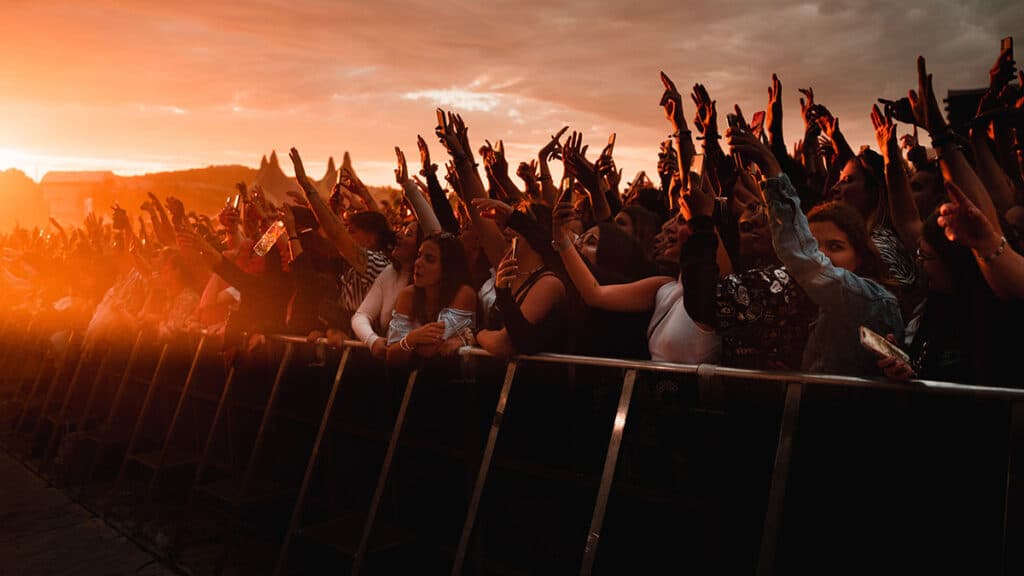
x: 673, y: 336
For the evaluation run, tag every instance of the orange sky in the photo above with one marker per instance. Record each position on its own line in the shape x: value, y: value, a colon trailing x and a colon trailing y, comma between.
x: 145, y: 86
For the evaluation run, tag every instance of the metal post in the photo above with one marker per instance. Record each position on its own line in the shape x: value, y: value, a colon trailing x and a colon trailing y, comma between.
x: 204, y: 459
x: 257, y: 447
x: 61, y: 419
x: 137, y: 426
x: 58, y: 370
x: 293, y: 524
x: 608, y: 474
x: 780, y: 478
x: 1014, y: 472
x: 485, y: 466
x: 116, y: 403
x: 155, y: 477
x: 382, y: 479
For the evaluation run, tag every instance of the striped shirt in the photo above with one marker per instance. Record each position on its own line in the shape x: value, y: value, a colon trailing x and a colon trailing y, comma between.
x: 353, y: 286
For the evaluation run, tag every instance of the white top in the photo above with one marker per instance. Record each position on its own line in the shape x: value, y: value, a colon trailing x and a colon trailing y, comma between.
x: 673, y: 336
x: 378, y: 305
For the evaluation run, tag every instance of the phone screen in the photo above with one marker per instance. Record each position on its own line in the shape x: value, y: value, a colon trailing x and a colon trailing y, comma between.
x: 876, y: 343
x: 440, y: 119
x: 611, y: 142
x: 1006, y: 44
x: 515, y: 247
x: 234, y: 203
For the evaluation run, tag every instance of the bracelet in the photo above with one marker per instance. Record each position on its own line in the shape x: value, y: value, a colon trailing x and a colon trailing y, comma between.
x: 560, y: 245
x: 943, y: 138
x: 998, y: 252
x: 543, y: 178
x: 404, y: 344
x: 293, y: 238
x: 679, y: 133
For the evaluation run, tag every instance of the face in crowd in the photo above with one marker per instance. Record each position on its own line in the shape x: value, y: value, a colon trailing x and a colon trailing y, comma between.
x: 855, y: 189
x: 427, y: 270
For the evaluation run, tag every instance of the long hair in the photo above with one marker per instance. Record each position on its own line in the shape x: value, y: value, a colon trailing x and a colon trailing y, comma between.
x: 872, y: 165
x: 620, y: 258
x: 377, y: 224
x: 646, y: 226
x: 454, y: 274
x: 850, y: 222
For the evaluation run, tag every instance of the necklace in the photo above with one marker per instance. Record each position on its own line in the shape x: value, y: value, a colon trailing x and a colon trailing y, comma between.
x: 530, y: 273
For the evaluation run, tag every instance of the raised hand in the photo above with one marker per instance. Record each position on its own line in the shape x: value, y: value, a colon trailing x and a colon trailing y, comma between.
x: 553, y: 149
x: 927, y: 113
x: 527, y: 172
x: 700, y: 198
x: 402, y: 172
x: 446, y: 134
x: 576, y: 163
x: 963, y: 222
x: 176, y: 207
x: 885, y: 133
x: 808, y: 112
x: 428, y: 168
x: 672, y: 103
x: 493, y: 209
x: 706, y: 118
x: 773, y: 114
x: 494, y: 158
x: 744, y: 143
x: 300, y: 170
x: 1002, y: 71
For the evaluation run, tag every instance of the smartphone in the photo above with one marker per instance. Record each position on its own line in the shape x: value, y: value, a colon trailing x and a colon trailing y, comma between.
x: 696, y: 171
x: 1007, y: 44
x: 515, y: 247
x: 440, y: 120
x: 565, y: 194
x: 931, y: 154
x: 879, y: 345
x: 234, y: 202
x: 898, y: 110
x: 757, y: 123
x: 611, y: 144
x: 733, y: 120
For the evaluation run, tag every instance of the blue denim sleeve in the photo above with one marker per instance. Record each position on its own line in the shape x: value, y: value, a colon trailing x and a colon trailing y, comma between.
x: 835, y: 290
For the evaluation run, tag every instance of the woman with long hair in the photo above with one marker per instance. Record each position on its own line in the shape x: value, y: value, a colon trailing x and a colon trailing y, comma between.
x: 830, y: 255
x: 435, y: 314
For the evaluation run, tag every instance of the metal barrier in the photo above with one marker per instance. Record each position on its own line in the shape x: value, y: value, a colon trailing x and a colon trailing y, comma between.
x: 795, y: 383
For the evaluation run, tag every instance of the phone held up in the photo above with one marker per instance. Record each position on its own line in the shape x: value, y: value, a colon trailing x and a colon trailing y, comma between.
x: 1007, y: 45
x: 879, y: 345
x: 515, y: 248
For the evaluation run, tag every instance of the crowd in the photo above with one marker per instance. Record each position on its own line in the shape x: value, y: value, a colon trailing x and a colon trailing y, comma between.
x: 747, y: 252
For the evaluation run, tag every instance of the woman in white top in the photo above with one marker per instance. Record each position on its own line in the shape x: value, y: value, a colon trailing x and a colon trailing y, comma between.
x: 377, y: 306
x: 672, y: 335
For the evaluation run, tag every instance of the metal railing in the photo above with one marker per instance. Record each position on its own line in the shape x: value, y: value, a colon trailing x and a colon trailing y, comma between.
x: 708, y: 376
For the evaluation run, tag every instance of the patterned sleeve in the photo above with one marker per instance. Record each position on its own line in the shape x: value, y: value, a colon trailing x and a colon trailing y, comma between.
x: 761, y: 294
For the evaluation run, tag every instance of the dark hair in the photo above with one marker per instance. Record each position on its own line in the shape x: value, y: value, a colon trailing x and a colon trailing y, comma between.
x: 651, y: 199
x: 620, y: 258
x: 872, y: 165
x: 646, y: 226
x: 851, y: 223
x: 454, y: 274
x: 377, y: 224
x: 419, y: 240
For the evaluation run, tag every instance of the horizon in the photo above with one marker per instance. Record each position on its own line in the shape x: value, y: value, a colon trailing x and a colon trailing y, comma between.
x: 143, y: 88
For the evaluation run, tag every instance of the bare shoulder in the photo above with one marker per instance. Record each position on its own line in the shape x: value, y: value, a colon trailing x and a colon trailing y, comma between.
x: 403, y: 303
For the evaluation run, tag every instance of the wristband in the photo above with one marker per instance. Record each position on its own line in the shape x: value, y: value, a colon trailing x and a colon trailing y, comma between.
x: 998, y: 252
x: 293, y: 238
x: 559, y: 245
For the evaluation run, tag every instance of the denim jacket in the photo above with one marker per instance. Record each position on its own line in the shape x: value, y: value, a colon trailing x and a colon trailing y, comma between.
x: 845, y: 301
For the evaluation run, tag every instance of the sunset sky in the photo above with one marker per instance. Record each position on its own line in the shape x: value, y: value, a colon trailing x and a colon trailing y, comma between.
x: 135, y: 86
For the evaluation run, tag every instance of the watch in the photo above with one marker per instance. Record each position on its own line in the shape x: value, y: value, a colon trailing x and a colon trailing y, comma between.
x: 558, y: 246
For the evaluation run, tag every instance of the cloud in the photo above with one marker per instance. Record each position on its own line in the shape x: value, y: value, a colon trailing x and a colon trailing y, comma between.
x: 218, y: 76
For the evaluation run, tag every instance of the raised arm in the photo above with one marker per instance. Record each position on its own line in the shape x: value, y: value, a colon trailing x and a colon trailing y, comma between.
x: 955, y: 167
x: 636, y: 296
x: 454, y: 135
x: 497, y: 166
x: 902, y: 207
x: 438, y: 200
x: 549, y: 192
x: 1002, y: 267
x: 420, y: 206
x: 335, y: 229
